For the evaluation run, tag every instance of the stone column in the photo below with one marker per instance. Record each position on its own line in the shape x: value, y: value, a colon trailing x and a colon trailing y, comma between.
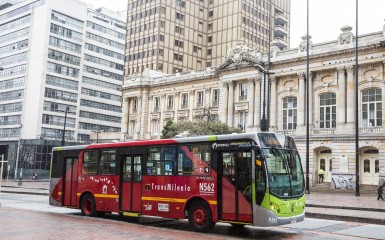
x: 230, y: 106
x: 301, y: 100
x: 257, y: 100
x: 250, y: 116
x: 311, y: 100
x: 350, y: 95
x: 341, y: 97
x: 206, y: 100
x: 273, y: 105
x: 125, y: 115
x: 223, y: 102
x: 145, y: 121
x: 176, y: 106
x: 191, y: 103
x: 162, y: 109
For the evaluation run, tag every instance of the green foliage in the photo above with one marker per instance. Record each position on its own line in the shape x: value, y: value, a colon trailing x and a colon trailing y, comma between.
x: 171, y: 129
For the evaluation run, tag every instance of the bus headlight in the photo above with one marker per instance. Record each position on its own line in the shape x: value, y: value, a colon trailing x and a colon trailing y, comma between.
x: 275, y: 208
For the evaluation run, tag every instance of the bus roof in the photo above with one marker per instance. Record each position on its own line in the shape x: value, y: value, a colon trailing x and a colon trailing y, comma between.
x: 203, y: 138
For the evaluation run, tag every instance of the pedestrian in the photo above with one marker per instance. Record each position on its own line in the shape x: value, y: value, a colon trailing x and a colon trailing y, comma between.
x: 380, y: 191
x: 321, y: 173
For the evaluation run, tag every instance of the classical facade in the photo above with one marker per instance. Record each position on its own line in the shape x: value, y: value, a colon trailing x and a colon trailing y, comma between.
x: 233, y: 92
x: 183, y: 35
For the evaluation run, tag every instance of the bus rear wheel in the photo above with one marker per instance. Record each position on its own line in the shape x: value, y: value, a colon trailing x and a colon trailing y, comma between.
x: 200, y: 216
x: 88, y: 206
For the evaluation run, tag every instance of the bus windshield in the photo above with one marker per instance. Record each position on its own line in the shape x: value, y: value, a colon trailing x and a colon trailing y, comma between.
x: 284, y: 171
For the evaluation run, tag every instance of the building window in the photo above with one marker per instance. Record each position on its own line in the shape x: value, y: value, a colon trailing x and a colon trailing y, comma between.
x: 134, y: 105
x: 210, y: 39
x: 179, y: 16
x: 180, y: 3
x: 242, y: 120
x: 178, y: 43
x: 156, y: 104
x: 215, y: 98
x: 243, y: 91
x: 170, y: 102
x: 289, y: 113
x: 179, y: 30
x: 200, y: 99
x: 178, y: 57
x: 133, y: 127
x: 211, y: 13
x: 184, y: 103
x: 156, y: 127
x: 328, y: 110
x: 209, y: 51
x: 195, y: 49
x: 210, y: 26
x: 371, y: 108
x: 162, y: 24
x: 208, y: 64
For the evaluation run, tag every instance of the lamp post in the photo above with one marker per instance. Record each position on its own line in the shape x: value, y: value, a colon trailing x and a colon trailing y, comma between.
x: 264, y: 121
x: 97, y: 134
x: 356, y: 109
x: 66, y: 111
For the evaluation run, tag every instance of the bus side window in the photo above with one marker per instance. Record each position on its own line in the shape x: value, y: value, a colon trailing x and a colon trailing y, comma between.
x: 107, y: 162
x: 161, y: 161
x: 90, y: 162
x: 260, y: 181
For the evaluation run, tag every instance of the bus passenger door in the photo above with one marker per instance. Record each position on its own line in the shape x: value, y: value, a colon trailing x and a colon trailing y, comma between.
x: 70, y: 182
x: 131, y: 181
x: 234, y: 170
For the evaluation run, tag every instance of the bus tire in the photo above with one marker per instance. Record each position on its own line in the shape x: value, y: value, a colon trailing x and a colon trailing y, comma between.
x: 200, y: 216
x: 88, y: 206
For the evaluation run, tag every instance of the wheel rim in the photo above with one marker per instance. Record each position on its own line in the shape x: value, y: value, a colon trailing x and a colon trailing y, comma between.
x: 199, y: 216
x: 87, y: 206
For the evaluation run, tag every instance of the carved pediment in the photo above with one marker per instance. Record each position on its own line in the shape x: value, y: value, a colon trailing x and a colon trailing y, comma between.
x: 241, y: 55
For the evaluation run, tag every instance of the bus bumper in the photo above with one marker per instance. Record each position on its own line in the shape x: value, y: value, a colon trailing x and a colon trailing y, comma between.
x: 266, y: 218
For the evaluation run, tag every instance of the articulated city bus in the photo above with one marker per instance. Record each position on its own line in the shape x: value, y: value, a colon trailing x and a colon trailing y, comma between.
x: 241, y: 179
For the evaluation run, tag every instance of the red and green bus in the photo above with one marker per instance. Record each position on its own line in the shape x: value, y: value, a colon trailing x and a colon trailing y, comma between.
x: 242, y: 179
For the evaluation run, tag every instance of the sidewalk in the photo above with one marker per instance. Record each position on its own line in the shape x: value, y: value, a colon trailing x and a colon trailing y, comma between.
x: 323, y: 205
x: 34, y: 187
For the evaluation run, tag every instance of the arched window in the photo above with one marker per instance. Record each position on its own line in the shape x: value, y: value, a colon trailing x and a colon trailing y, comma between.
x: 328, y: 110
x: 289, y: 113
x: 371, y: 108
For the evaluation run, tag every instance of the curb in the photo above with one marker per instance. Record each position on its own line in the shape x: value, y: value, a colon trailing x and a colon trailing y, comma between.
x: 345, y: 218
x: 21, y: 192
x: 346, y: 208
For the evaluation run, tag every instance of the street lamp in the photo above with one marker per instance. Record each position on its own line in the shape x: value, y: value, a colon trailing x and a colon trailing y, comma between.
x: 264, y: 121
x: 97, y: 134
x: 66, y: 111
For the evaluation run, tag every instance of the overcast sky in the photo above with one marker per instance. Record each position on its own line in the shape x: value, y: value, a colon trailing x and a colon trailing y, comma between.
x: 325, y: 19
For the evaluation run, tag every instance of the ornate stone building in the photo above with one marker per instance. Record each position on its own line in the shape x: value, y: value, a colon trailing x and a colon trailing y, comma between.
x: 233, y: 93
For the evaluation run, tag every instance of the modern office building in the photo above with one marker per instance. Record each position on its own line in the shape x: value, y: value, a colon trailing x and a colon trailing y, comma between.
x: 62, y: 73
x: 183, y: 35
x: 233, y: 93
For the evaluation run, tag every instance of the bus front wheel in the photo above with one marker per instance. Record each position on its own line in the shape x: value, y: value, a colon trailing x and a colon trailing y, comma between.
x: 88, y: 206
x: 200, y: 216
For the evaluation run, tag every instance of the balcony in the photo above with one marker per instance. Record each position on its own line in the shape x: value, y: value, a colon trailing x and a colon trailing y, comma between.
x: 369, y: 130
x: 290, y: 132
x: 324, y: 131
x: 280, y: 19
x: 280, y: 43
x: 280, y: 31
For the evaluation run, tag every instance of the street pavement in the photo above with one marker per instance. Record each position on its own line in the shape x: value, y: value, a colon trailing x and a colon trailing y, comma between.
x: 344, y: 206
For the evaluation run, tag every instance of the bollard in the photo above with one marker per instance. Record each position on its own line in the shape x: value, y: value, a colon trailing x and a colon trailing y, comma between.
x: 20, y: 182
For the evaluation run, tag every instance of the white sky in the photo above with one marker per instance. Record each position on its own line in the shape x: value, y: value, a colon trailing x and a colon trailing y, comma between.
x: 326, y: 17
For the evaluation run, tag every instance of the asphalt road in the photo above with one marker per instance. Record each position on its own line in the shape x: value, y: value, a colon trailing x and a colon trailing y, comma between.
x: 30, y: 217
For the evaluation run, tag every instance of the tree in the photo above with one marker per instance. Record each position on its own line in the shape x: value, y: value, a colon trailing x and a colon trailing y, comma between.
x: 171, y: 129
